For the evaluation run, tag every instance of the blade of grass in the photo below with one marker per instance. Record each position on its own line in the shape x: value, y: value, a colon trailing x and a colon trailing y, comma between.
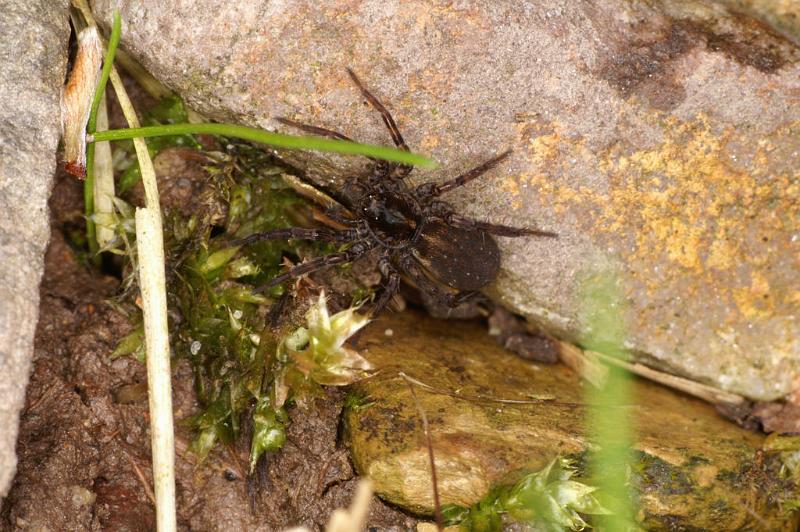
x: 610, y: 428
x: 279, y: 140
x: 88, y: 185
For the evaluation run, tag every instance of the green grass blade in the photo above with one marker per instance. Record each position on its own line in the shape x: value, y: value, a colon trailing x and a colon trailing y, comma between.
x: 273, y: 139
x: 610, y: 426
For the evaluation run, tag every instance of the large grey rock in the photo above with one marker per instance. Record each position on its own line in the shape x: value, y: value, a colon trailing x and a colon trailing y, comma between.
x: 659, y: 138
x: 33, y: 57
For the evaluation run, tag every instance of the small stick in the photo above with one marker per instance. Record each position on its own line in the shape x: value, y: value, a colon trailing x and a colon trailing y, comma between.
x: 702, y: 391
x: 152, y: 284
x: 437, y: 505
x: 548, y: 399
x: 145, y: 485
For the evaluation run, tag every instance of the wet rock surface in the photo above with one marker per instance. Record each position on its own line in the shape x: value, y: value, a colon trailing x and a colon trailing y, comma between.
x: 33, y: 58
x: 693, y: 470
x: 660, y: 140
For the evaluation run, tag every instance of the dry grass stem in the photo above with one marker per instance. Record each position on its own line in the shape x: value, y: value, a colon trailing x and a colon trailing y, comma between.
x: 103, y: 179
x: 76, y: 101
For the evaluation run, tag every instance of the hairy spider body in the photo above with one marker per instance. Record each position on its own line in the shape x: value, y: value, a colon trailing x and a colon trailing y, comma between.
x: 448, y: 256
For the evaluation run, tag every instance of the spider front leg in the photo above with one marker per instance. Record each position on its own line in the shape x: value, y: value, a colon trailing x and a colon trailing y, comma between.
x: 314, y: 130
x: 443, y: 211
x: 398, y: 171
x: 462, y: 222
x: 313, y: 265
x: 299, y: 233
x: 433, y: 190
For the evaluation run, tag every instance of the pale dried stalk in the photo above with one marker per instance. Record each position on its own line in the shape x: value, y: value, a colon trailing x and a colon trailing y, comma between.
x: 354, y: 519
x: 76, y: 100
x: 152, y: 284
x: 103, y: 179
x: 583, y: 363
x: 145, y: 163
x: 590, y: 365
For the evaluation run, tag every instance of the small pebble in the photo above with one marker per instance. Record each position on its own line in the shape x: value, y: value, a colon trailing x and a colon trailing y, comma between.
x: 388, y: 332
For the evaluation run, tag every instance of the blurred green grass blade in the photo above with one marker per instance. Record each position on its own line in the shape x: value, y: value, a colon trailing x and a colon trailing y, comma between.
x: 279, y: 140
x: 610, y: 426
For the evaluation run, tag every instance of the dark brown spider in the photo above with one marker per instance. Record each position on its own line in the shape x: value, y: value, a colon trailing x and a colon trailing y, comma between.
x: 445, y: 254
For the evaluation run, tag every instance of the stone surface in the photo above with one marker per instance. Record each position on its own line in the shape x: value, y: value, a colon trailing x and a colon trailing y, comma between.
x: 33, y: 58
x: 659, y: 139
x: 783, y: 15
x: 694, y: 470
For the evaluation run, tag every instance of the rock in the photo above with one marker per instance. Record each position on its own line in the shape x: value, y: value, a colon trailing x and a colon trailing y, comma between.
x: 34, y: 57
x: 694, y: 470
x: 658, y: 139
x: 783, y: 15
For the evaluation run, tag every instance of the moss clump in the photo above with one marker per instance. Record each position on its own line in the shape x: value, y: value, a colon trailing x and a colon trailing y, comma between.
x: 246, y: 366
x: 549, y: 499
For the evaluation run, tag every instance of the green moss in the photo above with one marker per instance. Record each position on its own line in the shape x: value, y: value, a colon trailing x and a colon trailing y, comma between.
x: 662, y: 476
x: 548, y: 499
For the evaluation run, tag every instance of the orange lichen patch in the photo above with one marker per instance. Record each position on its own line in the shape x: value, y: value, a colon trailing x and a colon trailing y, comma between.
x: 684, y: 201
x: 755, y: 301
x: 544, y: 148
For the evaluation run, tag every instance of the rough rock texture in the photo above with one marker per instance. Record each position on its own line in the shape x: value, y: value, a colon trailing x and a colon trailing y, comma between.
x: 693, y: 470
x: 33, y: 57
x: 657, y: 138
x: 783, y: 15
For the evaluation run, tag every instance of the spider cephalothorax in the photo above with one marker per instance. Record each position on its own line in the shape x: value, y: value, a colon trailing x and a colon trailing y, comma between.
x: 414, y: 232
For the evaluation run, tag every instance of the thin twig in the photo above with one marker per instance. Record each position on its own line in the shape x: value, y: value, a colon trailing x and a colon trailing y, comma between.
x: 103, y: 172
x: 702, y: 391
x: 437, y: 505
x: 145, y: 484
x: 544, y: 399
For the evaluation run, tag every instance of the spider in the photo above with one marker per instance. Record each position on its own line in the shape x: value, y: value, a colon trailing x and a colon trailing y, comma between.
x: 447, y: 255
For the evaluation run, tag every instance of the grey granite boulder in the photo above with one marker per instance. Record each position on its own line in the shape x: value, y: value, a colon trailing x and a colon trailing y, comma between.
x: 33, y: 58
x: 660, y: 139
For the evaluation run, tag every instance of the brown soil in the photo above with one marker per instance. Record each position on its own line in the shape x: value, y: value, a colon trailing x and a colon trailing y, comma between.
x: 84, y: 444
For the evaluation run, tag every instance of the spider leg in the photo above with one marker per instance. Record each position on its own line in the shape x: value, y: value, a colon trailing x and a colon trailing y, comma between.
x: 462, y: 222
x: 432, y: 189
x: 392, y: 285
x: 397, y: 171
x: 314, y: 130
x: 316, y: 264
x: 387, y: 117
x: 321, y: 131
x: 299, y: 233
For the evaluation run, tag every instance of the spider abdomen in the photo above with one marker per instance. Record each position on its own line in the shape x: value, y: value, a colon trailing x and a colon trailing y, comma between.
x: 464, y: 259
